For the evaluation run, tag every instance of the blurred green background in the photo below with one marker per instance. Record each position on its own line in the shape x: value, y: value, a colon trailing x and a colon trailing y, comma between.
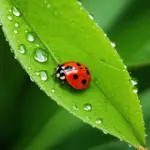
x: 29, y: 120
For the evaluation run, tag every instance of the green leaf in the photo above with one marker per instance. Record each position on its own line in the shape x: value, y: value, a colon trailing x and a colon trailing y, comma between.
x: 63, y: 31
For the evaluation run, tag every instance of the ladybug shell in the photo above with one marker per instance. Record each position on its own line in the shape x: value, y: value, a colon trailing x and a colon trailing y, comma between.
x: 77, y: 75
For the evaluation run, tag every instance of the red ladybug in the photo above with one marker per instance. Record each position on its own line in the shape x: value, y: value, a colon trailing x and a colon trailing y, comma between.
x: 76, y: 74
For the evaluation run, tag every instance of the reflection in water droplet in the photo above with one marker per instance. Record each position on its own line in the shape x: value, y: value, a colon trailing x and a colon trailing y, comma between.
x: 10, y: 17
x: 43, y: 75
x: 113, y: 44
x: 40, y: 55
x: 98, y: 121
x: 30, y: 36
x: 16, y: 24
x: 22, y: 48
x: 87, y: 107
x: 75, y: 107
x: 16, y: 11
x: 15, y: 31
x: 53, y: 90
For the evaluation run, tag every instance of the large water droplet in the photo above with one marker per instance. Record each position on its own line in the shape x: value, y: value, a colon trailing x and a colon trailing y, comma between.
x: 98, y: 121
x: 43, y: 75
x: 87, y: 107
x: 16, y: 24
x: 75, y: 107
x: 22, y: 48
x: 30, y: 36
x: 91, y: 16
x: 40, y: 55
x: 10, y: 17
x: 15, y: 31
x: 16, y: 11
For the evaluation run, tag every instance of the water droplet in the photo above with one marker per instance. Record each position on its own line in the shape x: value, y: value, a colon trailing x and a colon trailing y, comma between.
x: 15, y: 31
x: 105, y: 132
x: 98, y: 121
x: 75, y: 107
x: 135, y: 89
x: 87, y: 107
x: 22, y: 48
x: 105, y: 34
x: 129, y: 145
x: 37, y: 73
x: 10, y: 17
x: 134, y: 81
x: 30, y: 36
x: 125, y: 66
x: 16, y: 24
x: 43, y: 75
x: 48, y: 6
x: 113, y: 44
x: 31, y: 79
x: 121, y: 140
x: 53, y: 90
x: 91, y: 17
x: 16, y: 11
x: 40, y: 55
x: 146, y: 135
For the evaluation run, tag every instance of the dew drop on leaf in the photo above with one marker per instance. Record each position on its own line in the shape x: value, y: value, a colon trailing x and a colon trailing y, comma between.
x: 22, y: 48
x: 104, y: 132
x: 37, y: 73
x: 16, y: 12
x: 87, y: 107
x: 134, y: 81
x: 31, y: 79
x: 75, y: 107
x: 98, y: 121
x: 15, y: 31
x: 40, y: 55
x: 10, y: 17
x: 30, y: 36
x: 135, y: 89
x: 113, y: 44
x: 16, y: 24
x: 53, y: 90
x: 43, y: 75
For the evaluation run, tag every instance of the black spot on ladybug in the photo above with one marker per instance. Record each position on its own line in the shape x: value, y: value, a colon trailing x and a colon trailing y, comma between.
x: 80, y: 68
x: 87, y: 71
x: 83, y: 81
x: 75, y: 76
x: 78, y: 64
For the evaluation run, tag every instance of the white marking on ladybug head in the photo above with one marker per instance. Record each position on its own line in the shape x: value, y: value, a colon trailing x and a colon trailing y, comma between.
x: 57, y: 75
x: 62, y: 78
x: 63, y: 67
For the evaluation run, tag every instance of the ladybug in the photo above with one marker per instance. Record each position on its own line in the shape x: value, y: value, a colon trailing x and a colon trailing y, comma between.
x: 76, y: 74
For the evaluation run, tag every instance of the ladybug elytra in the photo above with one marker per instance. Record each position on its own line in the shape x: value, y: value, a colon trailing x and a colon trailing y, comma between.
x: 76, y: 74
